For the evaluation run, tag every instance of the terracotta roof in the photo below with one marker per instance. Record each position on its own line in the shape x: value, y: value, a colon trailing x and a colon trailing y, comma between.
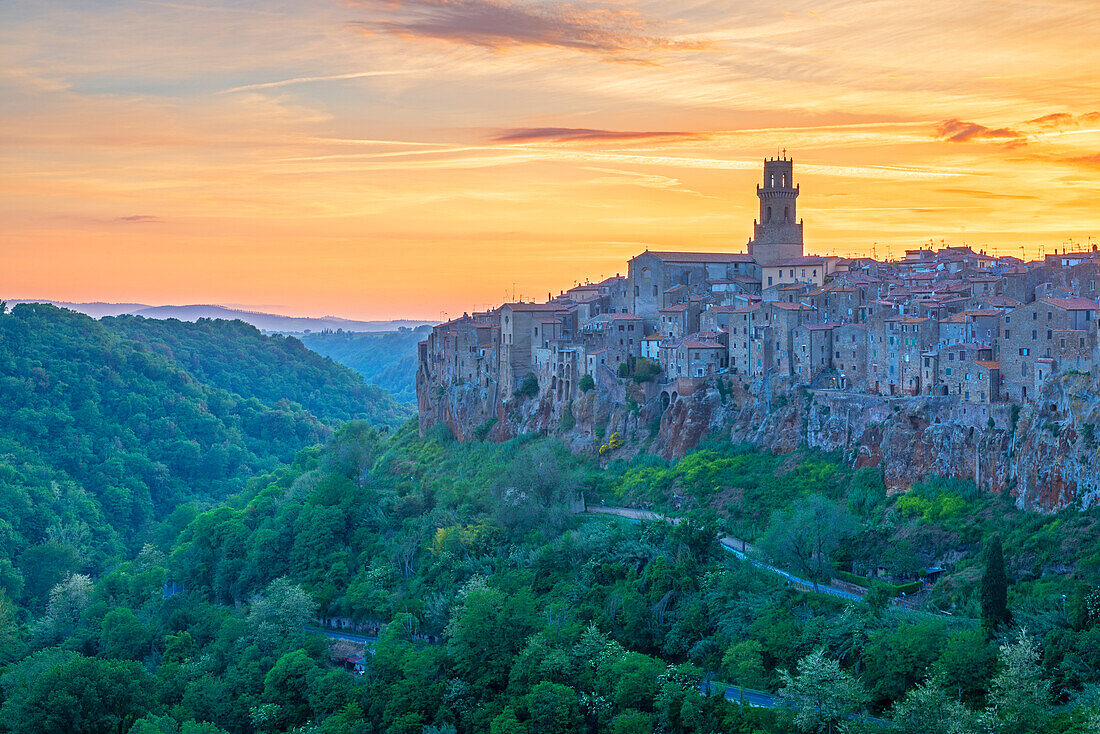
x: 795, y: 261
x: 1076, y: 303
x: 988, y: 365
x: 700, y: 257
x: 696, y: 344
x: 532, y: 306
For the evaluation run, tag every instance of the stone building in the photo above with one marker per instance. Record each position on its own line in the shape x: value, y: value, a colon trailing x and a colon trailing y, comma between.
x: 777, y: 234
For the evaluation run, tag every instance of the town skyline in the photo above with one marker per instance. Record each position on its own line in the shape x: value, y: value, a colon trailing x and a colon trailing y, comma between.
x: 421, y: 159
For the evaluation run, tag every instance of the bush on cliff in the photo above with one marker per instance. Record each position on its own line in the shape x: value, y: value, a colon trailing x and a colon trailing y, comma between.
x: 645, y: 370
x: 586, y: 383
x: 529, y: 387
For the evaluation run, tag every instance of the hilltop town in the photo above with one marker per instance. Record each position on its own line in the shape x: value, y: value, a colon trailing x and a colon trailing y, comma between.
x: 981, y: 332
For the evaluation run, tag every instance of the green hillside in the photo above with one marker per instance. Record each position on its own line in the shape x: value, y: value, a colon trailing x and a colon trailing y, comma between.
x: 501, y: 610
x: 386, y: 359
x: 107, y: 427
x: 135, y: 453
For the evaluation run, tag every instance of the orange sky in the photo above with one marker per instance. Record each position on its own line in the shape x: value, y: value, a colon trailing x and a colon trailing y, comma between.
x: 389, y: 158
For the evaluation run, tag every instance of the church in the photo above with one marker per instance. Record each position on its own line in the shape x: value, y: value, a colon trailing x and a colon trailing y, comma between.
x: 774, y: 257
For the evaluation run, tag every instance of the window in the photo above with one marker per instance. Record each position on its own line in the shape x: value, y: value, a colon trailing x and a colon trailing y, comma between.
x: 1050, y: 315
x: 1008, y: 333
x: 1034, y: 315
x: 1049, y: 334
x: 769, y: 280
x: 1034, y: 334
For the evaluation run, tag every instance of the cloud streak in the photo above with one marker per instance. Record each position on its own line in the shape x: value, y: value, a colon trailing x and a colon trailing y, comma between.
x: 139, y: 219
x: 959, y: 131
x: 569, y: 134
x: 606, y: 29
x: 311, y: 79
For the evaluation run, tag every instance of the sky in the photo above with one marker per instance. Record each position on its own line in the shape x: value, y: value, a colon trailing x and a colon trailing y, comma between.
x: 422, y: 158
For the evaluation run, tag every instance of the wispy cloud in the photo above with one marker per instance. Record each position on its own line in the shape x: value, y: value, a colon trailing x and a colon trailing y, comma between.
x: 559, y: 134
x: 960, y: 131
x: 140, y: 219
x: 1058, y: 120
x: 608, y: 29
x: 310, y: 79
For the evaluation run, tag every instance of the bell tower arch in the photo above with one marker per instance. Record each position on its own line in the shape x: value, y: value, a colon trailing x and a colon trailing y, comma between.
x: 777, y: 234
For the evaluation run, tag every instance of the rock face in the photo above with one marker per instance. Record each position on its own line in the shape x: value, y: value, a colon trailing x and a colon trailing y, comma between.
x: 1046, y: 454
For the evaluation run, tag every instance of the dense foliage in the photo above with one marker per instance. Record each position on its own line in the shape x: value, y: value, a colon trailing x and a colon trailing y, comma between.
x: 501, y: 610
x: 108, y: 428
x: 497, y: 607
x: 386, y: 359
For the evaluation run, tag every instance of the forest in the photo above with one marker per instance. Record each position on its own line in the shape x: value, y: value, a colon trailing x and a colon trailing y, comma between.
x: 386, y: 359
x: 142, y: 593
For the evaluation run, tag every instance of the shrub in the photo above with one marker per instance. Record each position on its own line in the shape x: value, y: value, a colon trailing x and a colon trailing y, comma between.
x: 529, y: 387
x: 568, y: 420
x: 482, y: 431
x: 586, y: 383
x: 645, y: 370
x: 624, y: 370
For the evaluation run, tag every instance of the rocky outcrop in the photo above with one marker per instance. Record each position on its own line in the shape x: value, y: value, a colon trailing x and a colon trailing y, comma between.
x: 1045, y: 454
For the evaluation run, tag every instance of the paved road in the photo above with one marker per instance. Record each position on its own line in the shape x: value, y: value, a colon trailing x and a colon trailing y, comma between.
x: 747, y: 695
x: 341, y: 635
x: 736, y: 546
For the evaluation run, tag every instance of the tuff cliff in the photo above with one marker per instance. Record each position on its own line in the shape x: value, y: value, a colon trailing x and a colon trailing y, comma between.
x: 1046, y: 454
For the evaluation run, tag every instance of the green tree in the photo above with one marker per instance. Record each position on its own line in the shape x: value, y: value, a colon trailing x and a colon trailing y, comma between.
x: 586, y: 383
x: 805, y: 536
x: 288, y: 685
x: 554, y: 709
x: 84, y: 696
x: 10, y: 640
x: 487, y: 630
x: 896, y: 658
x: 994, y: 587
x: 928, y: 708
x: 67, y: 600
x: 280, y: 614
x: 1019, y: 697
x: 632, y: 722
x: 744, y: 664
x: 966, y: 665
x: 819, y: 695
x: 122, y: 635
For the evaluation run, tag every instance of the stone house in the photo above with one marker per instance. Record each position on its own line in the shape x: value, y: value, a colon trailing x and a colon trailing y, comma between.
x: 812, y: 350
x: 1029, y: 334
x: 850, y: 354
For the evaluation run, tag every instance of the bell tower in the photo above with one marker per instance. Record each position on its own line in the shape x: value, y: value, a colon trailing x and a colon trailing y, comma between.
x: 777, y: 234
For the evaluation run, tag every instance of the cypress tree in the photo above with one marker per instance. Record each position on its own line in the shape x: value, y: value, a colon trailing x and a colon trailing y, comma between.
x: 994, y: 587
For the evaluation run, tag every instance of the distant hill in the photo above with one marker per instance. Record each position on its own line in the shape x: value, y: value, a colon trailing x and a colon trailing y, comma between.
x: 272, y: 323
x: 387, y: 359
x: 109, y: 429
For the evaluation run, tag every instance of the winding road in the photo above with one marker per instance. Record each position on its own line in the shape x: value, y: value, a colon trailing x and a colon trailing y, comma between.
x: 738, y: 547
